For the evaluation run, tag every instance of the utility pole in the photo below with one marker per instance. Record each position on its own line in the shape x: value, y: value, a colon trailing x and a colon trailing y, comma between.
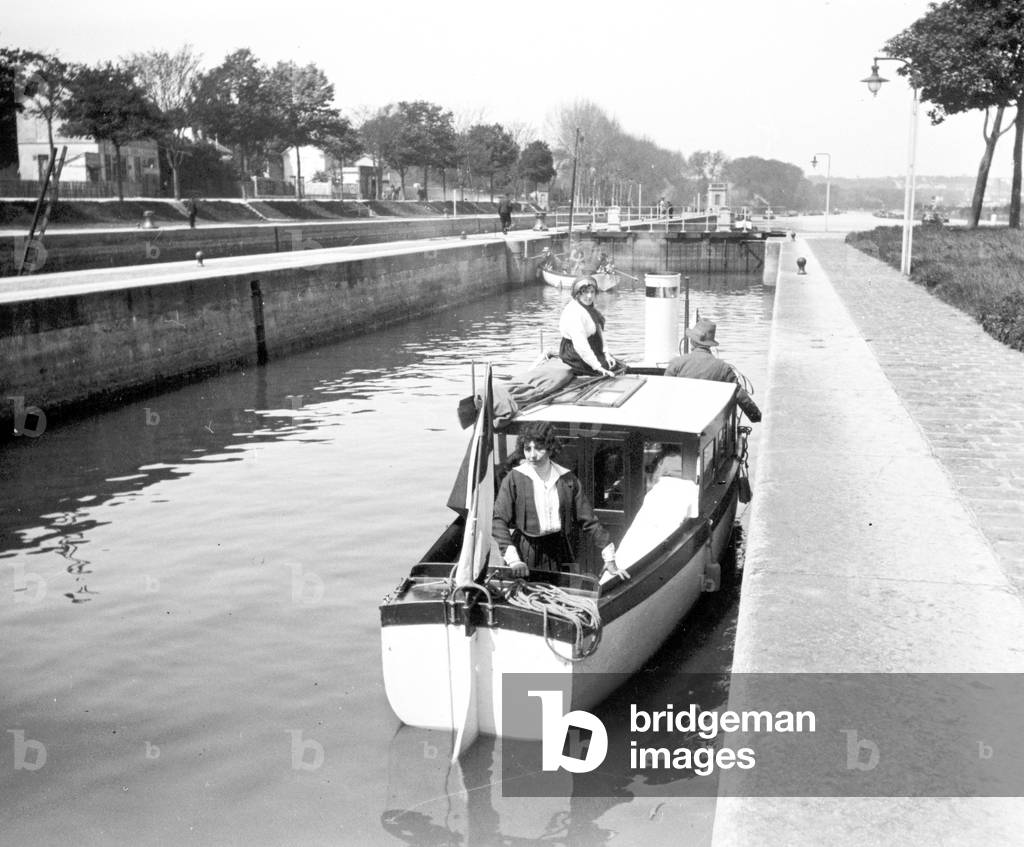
x: 572, y: 191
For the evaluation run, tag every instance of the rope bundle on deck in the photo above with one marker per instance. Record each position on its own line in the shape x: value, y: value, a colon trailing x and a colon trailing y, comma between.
x: 581, y: 612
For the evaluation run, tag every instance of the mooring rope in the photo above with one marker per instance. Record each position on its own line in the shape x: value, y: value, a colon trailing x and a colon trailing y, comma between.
x: 742, y: 381
x: 581, y: 612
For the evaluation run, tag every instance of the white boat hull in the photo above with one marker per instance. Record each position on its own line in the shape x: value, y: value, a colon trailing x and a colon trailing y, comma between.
x: 422, y: 684
x: 605, y: 281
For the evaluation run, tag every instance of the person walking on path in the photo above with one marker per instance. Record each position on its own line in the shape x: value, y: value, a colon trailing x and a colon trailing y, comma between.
x: 193, y: 210
x: 505, y: 213
x: 702, y: 364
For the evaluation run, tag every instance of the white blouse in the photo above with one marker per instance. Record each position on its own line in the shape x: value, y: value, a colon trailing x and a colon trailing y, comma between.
x: 577, y: 325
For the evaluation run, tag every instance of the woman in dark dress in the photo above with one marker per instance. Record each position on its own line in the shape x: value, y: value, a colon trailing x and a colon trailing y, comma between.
x: 540, y: 509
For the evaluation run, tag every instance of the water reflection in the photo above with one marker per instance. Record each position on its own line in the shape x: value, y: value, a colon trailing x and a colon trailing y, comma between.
x: 119, y: 454
x: 176, y: 540
x: 432, y: 800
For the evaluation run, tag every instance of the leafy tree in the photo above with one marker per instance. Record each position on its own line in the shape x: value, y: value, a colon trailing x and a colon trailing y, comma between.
x: 171, y: 79
x: 706, y: 166
x: 401, y: 148
x: 14, y: 65
x: 108, y: 105
x: 536, y: 163
x: 48, y: 88
x: 423, y: 136
x: 375, y: 135
x: 488, y: 150
x: 342, y: 144
x: 303, y: 96
x: 966, y: 55
x: 204, y: 171
x: 235, y: 104
x: 442, y: 144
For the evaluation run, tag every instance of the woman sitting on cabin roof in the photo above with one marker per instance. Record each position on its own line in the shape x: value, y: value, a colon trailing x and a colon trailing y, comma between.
x: 544, y: 506
x: 582, y: 328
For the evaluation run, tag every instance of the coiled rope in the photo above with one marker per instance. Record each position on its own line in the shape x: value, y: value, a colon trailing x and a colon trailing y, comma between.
x: 581, y: 612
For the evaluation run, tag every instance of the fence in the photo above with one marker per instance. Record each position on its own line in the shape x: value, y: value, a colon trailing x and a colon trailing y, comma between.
x: 593, y: 215
x: 28, y: 188
x: 264, y: 187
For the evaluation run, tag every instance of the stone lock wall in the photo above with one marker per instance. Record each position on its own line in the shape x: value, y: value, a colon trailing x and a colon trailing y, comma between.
x: 102, y: 343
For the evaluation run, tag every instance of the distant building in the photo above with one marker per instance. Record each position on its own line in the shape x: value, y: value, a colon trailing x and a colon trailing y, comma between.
x: 88, y: 165
x: 356, y: 181
x: 718, y: 196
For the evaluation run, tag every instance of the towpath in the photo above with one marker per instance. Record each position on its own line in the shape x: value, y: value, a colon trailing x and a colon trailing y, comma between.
x: 886, y: 536
x: 962, y: 389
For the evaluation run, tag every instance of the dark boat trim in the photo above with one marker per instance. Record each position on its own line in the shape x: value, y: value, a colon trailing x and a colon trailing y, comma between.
x: 649, y: 574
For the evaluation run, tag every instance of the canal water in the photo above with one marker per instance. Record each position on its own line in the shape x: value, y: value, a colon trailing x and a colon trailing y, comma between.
x: 190, y: 583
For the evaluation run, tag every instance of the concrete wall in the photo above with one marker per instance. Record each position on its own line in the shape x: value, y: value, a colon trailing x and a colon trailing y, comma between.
x: 639, y: 250
x: 678, y: 252
x: 108, y: 248
x: 101, y: 344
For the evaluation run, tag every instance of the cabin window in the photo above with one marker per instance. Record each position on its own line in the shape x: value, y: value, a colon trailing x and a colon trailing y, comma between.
x: 609, y: 473
x: 722, y: 450
x: 707, y: 464
x: 662, y: 459
x: 569, y: 454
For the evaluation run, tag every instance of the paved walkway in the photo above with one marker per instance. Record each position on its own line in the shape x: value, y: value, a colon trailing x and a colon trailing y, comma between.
x: 884, y: 538
x: 963, y: 389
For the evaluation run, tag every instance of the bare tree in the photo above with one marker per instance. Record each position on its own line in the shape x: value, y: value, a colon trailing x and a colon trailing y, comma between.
x: 169, y: 79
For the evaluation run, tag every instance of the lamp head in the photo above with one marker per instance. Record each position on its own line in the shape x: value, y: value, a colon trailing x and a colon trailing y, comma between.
x: 874, y: 82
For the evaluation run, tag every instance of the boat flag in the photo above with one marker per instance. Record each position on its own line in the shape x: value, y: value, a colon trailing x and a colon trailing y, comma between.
x: 476, y: 540
x: 476, y: 546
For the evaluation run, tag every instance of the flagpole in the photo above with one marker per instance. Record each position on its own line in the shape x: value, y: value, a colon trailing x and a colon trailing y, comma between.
x: 572, y: 191
x: 462, y: 639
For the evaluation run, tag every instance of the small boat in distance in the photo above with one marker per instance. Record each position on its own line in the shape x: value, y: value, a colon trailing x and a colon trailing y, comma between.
x: 605, y: 280
x: 662, y: 460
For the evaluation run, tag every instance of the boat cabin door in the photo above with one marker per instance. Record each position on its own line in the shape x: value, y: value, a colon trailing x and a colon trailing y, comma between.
x: 609, y: 465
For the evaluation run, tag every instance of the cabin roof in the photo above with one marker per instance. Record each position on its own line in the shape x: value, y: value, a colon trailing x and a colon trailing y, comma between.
x: 664, y: 403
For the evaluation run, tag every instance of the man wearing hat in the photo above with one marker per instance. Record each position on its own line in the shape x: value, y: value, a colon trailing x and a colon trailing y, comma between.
x: 702, y: 364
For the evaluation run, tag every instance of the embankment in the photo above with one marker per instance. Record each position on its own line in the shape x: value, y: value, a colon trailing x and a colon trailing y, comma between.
x: 80, y: 340
x: 81, y: 249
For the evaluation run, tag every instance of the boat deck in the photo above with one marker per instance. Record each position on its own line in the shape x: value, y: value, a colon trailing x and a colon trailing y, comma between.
x: 667, y: 403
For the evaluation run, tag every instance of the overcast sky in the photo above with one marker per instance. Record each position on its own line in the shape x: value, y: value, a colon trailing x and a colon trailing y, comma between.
x: 773, y: 78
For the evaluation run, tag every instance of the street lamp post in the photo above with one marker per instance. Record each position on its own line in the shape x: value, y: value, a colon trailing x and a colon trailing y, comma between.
x: 828, y: 182
x: 874, y: 83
